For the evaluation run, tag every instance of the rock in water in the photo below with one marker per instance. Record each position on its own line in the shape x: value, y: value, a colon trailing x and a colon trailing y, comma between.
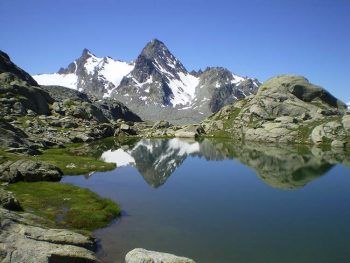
x: 28, y: 170
x: 140, y: 255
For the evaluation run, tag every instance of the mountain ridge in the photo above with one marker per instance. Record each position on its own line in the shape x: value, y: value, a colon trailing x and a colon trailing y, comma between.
x: 156, y: 82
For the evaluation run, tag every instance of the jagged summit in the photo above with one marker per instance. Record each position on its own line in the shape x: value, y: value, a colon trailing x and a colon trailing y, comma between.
x: 158, y: 52
x: 158, y: 79
x: 155, y: 83
x: 153, y: 47
x: 86, y: 52
x: 97, y: 76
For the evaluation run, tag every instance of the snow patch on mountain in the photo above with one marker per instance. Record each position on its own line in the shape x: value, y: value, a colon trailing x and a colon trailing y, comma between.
x: 65, y: 80
x: 108, y: 70
x: 236, y: 79
x: 183, y: 89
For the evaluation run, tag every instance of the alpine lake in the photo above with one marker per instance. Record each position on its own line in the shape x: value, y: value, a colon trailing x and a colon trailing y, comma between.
x: 216, y: 200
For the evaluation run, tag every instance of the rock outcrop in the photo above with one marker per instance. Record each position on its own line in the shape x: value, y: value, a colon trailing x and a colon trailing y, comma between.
x: 8, y: 201
x: 6, y: 65
x: 22, y: 239
x: 286, y: 109
x: 140, y: 255
x: 29, y: 171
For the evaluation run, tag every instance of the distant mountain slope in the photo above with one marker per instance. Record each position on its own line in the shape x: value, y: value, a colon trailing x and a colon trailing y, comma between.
x: 91, y: 74
x: 156, y: 86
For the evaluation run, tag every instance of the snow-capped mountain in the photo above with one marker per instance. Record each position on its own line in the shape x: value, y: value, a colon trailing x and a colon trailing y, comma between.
x: 89, y: 73
x: 158, y: 79
x: 156, y: 86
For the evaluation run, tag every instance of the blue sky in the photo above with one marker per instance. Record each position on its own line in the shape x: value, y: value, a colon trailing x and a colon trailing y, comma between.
x: 257, y: 38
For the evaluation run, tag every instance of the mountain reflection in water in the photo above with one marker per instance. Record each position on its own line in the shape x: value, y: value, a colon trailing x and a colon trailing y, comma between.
x: 216, y: 200
x: 284, y: 167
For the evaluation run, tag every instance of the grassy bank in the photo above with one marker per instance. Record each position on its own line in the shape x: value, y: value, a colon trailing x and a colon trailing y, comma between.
x: 71, y: 163
x: 65, y: 205
x: 69, y: 159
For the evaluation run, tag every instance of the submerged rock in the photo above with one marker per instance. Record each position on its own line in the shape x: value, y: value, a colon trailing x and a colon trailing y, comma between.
x: 140, y: 255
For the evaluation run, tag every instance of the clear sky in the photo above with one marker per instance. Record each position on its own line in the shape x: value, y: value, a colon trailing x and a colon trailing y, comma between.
x: 256, y: 38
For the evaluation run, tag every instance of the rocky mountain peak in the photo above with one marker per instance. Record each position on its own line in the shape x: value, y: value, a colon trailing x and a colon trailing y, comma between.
x: 153, y: 46
x: 78, y: 64
x: 86, y: 53
x: 162, y: 58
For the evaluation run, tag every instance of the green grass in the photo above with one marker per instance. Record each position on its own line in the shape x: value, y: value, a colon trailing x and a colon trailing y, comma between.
x: 71, y: 163
x: 65, y: 205
x: 227, y: 123
x: 67, y: 159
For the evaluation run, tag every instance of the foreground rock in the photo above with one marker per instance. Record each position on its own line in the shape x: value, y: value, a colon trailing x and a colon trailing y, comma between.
x: 8, y: 201
x: 29, y: 171
x: 22, y: 240
x: 140, y: 255
x: 14, y: 139
x: 286, y: 109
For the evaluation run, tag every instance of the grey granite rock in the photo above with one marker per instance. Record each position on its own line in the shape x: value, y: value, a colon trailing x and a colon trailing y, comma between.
x: 22, y: 239
x: 8, y: 201
x: 285, y: 109
x: 139, y: 255
x: 28, y: 170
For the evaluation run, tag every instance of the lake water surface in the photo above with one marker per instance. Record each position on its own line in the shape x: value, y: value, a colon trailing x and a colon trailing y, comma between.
x: 217, y: 201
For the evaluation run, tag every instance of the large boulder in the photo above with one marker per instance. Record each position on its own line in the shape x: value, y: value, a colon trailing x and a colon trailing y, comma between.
x: 23, y: 240
x: 140, y: 255
x: 11, y: 136
x: 334, y: 132
x: 29, y: 171
x: 161, y: 125
x: 8, y: 201
x: 190, y: 131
